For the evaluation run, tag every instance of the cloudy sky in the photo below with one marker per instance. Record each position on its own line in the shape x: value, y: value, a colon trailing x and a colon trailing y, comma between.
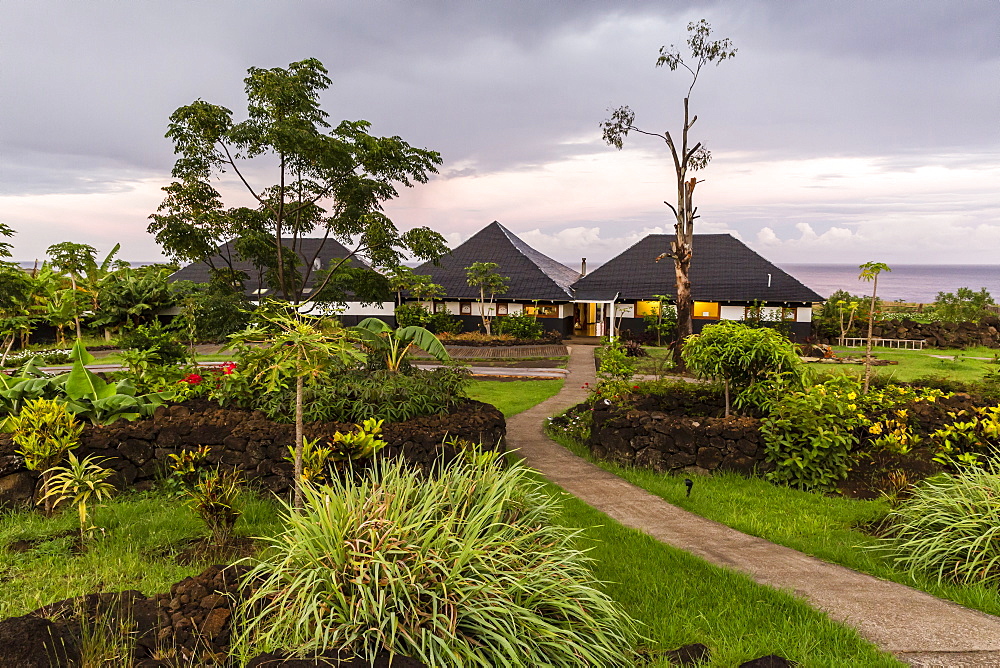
x: 841, y: 132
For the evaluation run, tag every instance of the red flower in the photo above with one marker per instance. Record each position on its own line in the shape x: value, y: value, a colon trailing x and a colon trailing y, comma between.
x: 635, y: 387
x: 228, y: 367
x: 191, y: 379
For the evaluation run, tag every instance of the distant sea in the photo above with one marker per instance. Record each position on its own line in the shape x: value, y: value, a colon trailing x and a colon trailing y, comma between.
x: 907, y: 282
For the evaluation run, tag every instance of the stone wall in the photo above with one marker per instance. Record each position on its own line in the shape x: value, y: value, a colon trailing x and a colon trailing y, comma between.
x: 245, y: 440
x: 986, y: 332
x: 664, y: 442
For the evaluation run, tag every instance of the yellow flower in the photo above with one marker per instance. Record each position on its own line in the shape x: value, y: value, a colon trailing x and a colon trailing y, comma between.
x: 861, y: 416
x: 852, y: 407
x: 875, y: 428
x: 852, y: 396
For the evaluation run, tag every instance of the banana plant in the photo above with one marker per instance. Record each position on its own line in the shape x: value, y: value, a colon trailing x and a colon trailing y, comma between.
x: 395, y: 344
x: 101, y: 402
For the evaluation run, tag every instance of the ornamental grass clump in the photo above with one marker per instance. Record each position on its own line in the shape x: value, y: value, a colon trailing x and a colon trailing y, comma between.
x: 950, y: 527
x: 463, y: 569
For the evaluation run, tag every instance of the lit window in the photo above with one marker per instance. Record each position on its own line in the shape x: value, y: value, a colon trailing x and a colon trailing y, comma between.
x: 709, y: 310
x: 643, y: 309
x: 788, y: 314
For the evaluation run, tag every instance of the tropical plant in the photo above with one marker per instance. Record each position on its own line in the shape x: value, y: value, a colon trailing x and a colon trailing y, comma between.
x: 213, y: 498
x: 614, y: 372
x: 971, y: 435
x: 314, y: 460
x: 464, y: 568
x: 132, y: 296
x: 484, y: 275
x: 90, y: 396
x: 393, y: 345
x: 408, y: 315
x: 741, y: 356
x: 360, y: 443
x: 443, y: 321
x: 950, y: 527
x: 291, y: 346
x: 44, y: 431
x: 162, y: 343
x: 870, y: 272
x: 186, y: 468
x: 79, y: 482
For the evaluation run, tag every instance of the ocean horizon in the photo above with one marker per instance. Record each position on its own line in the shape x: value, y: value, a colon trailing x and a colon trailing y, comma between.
x: 905, y: 282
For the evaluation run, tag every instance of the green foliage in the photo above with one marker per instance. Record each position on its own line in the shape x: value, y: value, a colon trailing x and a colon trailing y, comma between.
x: 466, y: 568
x: 742, y: 356
x: 964, y: 305
x: 484, y: 275
x: 520, y: 326
x: 90, y: 396
x: 614, y: 373
x: 444, y: 321
x: 965, y: 441
x: 363, y: 442
x: 154, y: 338
x: 214, y: 499
x: 392, y: 345
x: 950, y: 527
x: 212, y: 311
x: 186, y: 468
x: 810, y: 434
x: 44, y: 431
x: 80, y: 482
x: 315, y: 458
x: 328, y: 181
x: 411, y: 315
x: 663, y: 323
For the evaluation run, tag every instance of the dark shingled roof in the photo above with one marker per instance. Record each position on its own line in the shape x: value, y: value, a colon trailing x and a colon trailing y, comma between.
x: 722, y: 269
x: 200, y: 272
x: 532, y: 275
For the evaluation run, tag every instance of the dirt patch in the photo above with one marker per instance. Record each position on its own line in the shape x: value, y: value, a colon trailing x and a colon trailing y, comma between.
x: 202, y: 550
x: 876, y: 473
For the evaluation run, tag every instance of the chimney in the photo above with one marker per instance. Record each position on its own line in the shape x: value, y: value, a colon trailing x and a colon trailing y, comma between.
x: 583, y: 267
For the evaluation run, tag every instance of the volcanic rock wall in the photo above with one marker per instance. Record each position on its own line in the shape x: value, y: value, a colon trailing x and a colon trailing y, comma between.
x: 247, y: 441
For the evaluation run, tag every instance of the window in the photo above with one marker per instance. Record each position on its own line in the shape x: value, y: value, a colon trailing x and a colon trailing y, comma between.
x: 788, y: 314
x: 709, y: 310
x: 542, y: 310
x: 465, y: 308
x: 643, y: 309
x: 502, y: 308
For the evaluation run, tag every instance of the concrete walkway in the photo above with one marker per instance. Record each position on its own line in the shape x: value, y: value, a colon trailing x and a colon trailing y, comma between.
x: 918, y: 628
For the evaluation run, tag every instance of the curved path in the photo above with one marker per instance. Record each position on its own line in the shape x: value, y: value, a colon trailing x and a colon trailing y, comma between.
x: 918, y: 628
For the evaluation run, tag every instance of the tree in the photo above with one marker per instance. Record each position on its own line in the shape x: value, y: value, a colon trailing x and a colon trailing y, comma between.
x: 483, y: 275
x: 302, y: 347
x: 686, y: 157
x: 15, y: 292
x: 330, y: 180
x: 964, y: 305
x: 740, y: 355
x: 72, y: 259
x: 870, y: 272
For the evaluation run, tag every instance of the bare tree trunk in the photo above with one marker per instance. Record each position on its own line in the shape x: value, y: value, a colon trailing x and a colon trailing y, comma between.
x: 868, y: 342
x: 726, y: 385
x: 684, y: 305
x: 299, y: 436
x: 76, y: 310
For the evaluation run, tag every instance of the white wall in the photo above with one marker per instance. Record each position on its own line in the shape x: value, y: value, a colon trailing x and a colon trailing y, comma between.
x: 351, y: 308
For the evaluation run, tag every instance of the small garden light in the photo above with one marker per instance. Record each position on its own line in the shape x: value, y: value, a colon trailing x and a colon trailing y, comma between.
x: 689, y: 484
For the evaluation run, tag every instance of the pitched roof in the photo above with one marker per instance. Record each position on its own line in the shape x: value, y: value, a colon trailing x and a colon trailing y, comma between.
x: 722, y: 269
x: 315, y: 251
x: 532, y: 274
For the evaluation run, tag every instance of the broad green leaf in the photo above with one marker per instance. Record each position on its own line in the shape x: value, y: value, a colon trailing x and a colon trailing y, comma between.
x: 79, y: 353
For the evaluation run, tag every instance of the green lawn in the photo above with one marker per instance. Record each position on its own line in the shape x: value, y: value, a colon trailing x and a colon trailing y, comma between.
x: 913, y: 364
x: 826, y: 527
x: 512, y: 397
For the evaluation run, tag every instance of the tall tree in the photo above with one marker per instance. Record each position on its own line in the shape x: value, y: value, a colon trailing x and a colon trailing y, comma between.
x: 870, y: 272
x: 688, y: 157
x: 331, y: 181
x: 484, y: 275
x: 15, y: 293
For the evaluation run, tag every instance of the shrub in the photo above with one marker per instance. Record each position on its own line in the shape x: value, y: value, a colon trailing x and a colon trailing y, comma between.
x: 44, y: 432
x: 520, y: 326
x: 463, y: 569
x: 615, y: 371
x: 950, y: 527
x: 163, y: 344
x: 810, y: 433
x: 964, y: 305
x: 444, y: 322
x: 213, y: 497
x: 78, y: 482
x: 408, y: 315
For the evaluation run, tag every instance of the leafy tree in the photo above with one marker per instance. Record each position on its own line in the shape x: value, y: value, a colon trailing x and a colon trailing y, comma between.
x: 870, y: 272
x: 132, y: 296
x: 330, y: 180
x: 299, y: 346
x: 965, y: 305
x: 740, y: 355
x: 664, y: 321
x: 484, y: 275
x: 15, y: 288
x: 687, y: 158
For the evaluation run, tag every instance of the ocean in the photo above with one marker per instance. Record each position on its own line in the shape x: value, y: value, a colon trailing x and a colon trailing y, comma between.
x: 907, y: 282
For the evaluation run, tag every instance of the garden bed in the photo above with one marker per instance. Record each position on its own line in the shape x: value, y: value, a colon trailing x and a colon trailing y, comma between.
x: 247, y: 441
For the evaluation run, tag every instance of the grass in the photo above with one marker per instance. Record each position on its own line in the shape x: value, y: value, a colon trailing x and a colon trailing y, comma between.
x: 913, y: 364
x: 512, y: 397
x: 827, y: 527
x: 681, y: 599
x: 142, y: 534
